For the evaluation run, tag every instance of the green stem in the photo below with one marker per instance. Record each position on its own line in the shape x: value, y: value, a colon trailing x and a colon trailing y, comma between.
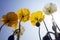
x: 18, y: 36
x: 45, y: 26
x: 39, y: 33
x: 1, y: 27
x: 55, y: 22
x: 56, y: 35
x: 56, y: 26
x: 55, y: 31
x: 47, y: 29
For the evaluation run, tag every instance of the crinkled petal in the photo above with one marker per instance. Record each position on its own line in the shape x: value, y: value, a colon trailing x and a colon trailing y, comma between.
x: 23, y: 14
x: 10, y: 19
x: 36, y: 17
x: 50, y: 8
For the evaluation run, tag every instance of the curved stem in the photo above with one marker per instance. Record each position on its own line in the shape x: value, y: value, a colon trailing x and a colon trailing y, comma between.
x: 55, y: 22
x: 56, y: 26
x: 39, y: 34
x: 55, y: 30
x: 47, y: 29
x: 1, y: 27
x: 52, y: 33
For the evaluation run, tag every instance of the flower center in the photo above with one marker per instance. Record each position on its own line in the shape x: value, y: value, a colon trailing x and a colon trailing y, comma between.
x: 22, y: 16
x: 49, y: 11
x: 36, y: 18
x: 8, y: 20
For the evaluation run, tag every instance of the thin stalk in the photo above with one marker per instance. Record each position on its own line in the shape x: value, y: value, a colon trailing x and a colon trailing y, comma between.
x: 18, y: 35
x: 52, y: 33
x: 45, y: 26
x: 1, y: 27
x: 39, y: 34
x: 55, y: 22
x: 57, y: 27
x: 47, y: 29
x: 56, y: 38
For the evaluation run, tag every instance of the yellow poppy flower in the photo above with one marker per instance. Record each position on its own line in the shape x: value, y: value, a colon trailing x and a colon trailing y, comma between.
x: 23, y: 14
x: 10, y: 19
x: 50, y: 8
x: 36, y: 17
x: 16, y: 32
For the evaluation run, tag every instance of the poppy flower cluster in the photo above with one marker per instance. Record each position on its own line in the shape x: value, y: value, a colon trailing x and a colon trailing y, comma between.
x: 23, y: 15
x: 11, y: 20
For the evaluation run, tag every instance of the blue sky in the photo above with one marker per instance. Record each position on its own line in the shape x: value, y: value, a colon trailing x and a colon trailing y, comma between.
x: 31, y: 32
